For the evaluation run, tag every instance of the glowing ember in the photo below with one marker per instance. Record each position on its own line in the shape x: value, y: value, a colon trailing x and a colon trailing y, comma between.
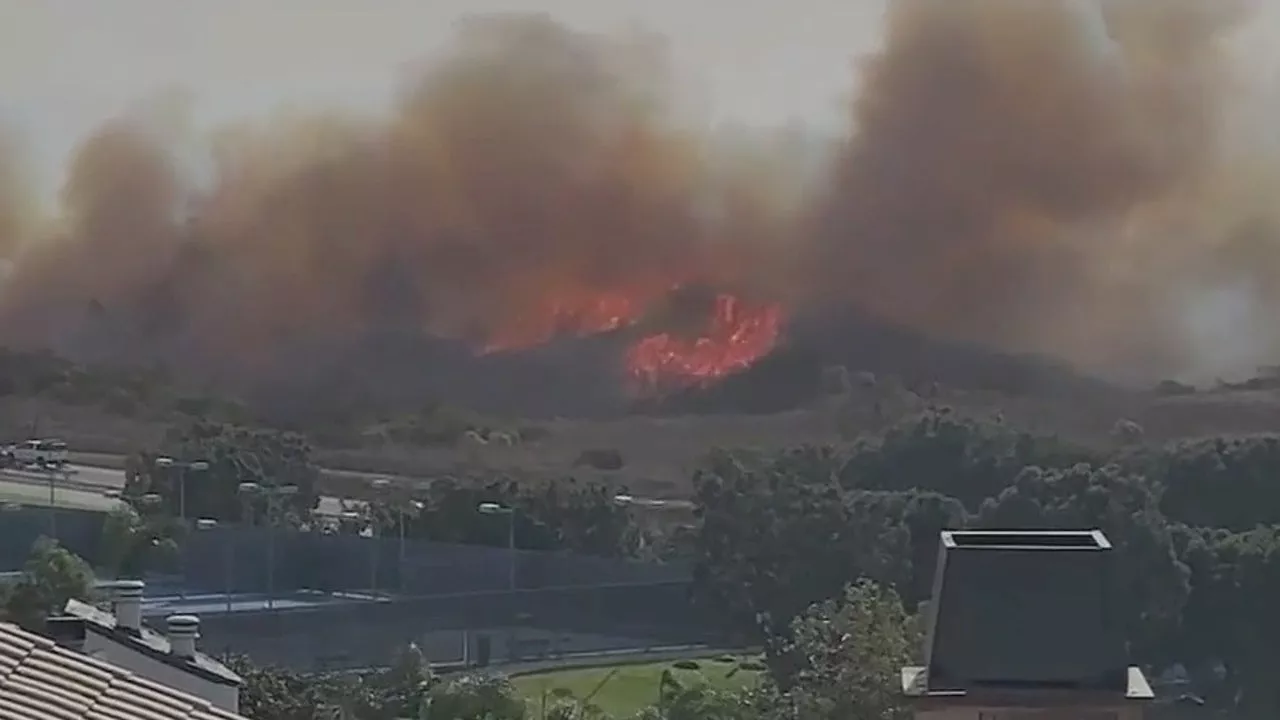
x: 737, y: 336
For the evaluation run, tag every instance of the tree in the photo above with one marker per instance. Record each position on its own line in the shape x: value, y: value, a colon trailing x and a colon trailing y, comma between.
x: 1220, y: 482
x: 51, y: 576
x: 1230, y: 625
x: 235, y: 455
x: 467, y: 697
x: 780, y: 534
x: 132, y: 542
x: 270, y: 693
x: 1154, y: 584
x: 558, y: 515
x: 844, y: 656
x: 943, y: 452
x: 401, y: 691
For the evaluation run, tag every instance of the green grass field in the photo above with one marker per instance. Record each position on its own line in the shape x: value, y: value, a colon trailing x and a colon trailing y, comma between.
x: 633, y: 686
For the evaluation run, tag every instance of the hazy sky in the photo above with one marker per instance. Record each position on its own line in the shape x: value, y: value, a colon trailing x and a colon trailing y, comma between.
x: 67, y: 64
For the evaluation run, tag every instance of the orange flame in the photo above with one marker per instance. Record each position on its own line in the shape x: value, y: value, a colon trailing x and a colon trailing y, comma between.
x: 737, y: 335
x: 733, y: 336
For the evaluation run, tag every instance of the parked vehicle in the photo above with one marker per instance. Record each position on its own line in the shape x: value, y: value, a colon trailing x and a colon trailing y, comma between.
x: 40, y: 452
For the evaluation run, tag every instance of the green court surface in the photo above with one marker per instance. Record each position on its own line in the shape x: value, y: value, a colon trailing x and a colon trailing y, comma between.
x: 36, y: 495
x: 632, y: 687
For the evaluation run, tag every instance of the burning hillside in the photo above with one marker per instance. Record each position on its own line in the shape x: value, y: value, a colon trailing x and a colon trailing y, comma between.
x: 1048, y: 176
x: 705, y: 342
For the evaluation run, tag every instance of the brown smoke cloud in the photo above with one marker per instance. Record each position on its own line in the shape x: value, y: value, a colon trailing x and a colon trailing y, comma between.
x: 1018, y: 169
x: 1066, y: 177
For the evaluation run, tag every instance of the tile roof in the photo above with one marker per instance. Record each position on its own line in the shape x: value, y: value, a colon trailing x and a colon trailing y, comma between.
x: 41, y: 681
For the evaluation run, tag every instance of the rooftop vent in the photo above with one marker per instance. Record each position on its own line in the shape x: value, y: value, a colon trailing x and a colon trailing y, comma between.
x: 183, y: 631
x: 126, y: 596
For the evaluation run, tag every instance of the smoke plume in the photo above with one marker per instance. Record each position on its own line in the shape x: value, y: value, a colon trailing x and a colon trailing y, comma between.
x: 1085, y: 179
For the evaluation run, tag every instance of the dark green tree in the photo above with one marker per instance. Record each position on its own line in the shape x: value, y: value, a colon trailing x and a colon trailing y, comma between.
x: 1153, y: 584
x: 780, y: 534
x: 1220, y: 482
x: 51, y: 576
x: 235, y: 455
x: 844, y: 657
x: 943, y: 452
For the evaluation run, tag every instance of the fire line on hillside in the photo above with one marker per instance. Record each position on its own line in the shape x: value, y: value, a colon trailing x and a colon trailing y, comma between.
x: 728, y: 335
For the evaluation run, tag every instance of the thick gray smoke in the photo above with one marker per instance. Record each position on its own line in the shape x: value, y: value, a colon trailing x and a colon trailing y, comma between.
x: 1087, y: 179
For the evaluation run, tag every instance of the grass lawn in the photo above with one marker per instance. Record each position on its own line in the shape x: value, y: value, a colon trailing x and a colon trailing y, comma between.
x: 633, y: 686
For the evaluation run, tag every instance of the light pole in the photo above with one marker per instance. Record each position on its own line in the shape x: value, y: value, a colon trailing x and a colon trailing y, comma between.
x: 206, y: 525
x: 52, y: 472
x: 196, y: 466
x: 353, y: 518
x: 491, y: 508
x: 271, y: 493
x: 402, y: 505
x: 169, y: 464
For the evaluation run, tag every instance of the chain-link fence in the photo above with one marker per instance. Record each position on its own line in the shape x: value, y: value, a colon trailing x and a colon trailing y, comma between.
x: 254, y: 559
x: 364, y: 598
x: 80, y: 531
x: 472, y: 628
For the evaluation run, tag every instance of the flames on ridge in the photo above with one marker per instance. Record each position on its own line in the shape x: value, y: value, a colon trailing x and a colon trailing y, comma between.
x: 735, y: 336
x: 1091, y: 179
x: 722, y: 336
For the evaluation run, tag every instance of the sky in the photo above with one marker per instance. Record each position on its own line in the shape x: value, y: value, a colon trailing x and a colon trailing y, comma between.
x: 66, y: 65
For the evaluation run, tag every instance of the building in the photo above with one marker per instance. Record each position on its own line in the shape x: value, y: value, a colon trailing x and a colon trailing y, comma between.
x: 40, y: 680
x: 1022, y: 625
x: 169, y: 658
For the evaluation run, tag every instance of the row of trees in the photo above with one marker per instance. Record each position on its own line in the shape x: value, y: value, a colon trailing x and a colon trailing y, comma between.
x: 207, y: 467
x: 1194, y: 525
x: 1195, y: 528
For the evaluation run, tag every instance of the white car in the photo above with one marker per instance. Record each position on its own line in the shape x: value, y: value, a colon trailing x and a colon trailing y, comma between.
x: 40, y: 452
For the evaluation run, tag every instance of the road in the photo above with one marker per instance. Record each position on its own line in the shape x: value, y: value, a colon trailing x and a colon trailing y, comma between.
x: 16, y: 491
x: 90, y: 486
x: 86, y: 487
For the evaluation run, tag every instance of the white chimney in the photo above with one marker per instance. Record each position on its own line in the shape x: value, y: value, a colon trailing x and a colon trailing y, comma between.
x: 183, y: 631
x: 127, y: 602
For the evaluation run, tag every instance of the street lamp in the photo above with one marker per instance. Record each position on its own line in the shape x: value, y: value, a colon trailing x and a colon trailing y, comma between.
x: 206, y: 525
x: 381, y: 485
x: 195, y: 466
x: 271, y: 493
x: 353, y: 518
x: 491, y: 508
x: 51, y: 471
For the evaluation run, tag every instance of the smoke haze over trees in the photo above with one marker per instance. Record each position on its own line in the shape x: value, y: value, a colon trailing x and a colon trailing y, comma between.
x: 1089, y: 180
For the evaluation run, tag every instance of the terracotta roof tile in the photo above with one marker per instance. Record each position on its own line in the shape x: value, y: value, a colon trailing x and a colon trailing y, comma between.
x: 41, y: 681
